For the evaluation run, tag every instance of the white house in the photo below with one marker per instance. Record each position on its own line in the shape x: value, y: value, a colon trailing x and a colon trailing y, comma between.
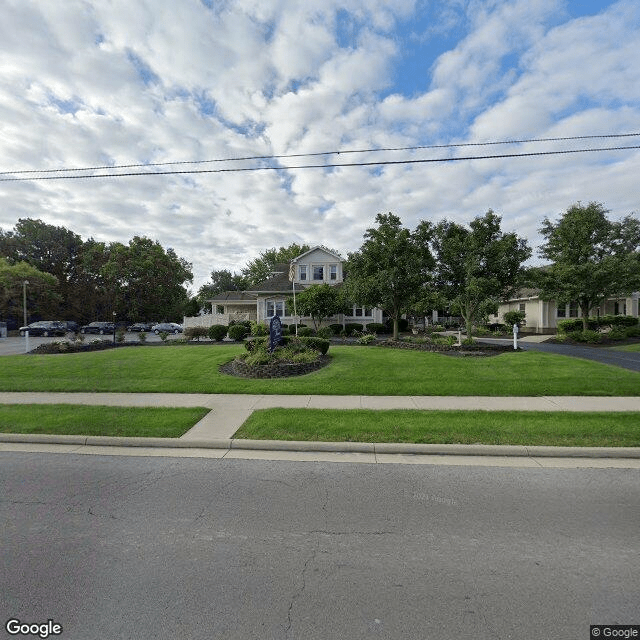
x: 542, y: 316
x: 319, y: 265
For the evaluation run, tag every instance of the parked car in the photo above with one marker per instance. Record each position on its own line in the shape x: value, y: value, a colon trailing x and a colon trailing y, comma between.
x: 140, y: 326
x: 169, y: 327
x: 44, y: 328
x: 71, y: 325
x: 98, y: 327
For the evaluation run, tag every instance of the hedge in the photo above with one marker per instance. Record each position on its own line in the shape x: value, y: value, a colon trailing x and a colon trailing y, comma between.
x: 317, y: 344
x: 218, y: 331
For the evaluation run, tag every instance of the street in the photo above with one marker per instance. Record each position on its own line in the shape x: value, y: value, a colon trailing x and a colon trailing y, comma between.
x: 137, y: 547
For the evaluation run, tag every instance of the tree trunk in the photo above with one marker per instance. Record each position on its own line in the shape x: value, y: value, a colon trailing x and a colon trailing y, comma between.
x: 584, y: 309
x: 395, y: 327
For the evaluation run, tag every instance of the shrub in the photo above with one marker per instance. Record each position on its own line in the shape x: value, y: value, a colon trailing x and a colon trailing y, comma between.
x: 498, y: 327
x: 120, y: 336
x: 447, y: 341
x: 350, y: 327
x: 617, y: 333
x: 305, y: 331
x: 336, y: 328
x: 588, y: 336
x: 142, y: 337
x: 195, y: 333
x: 367, y: 338
x: 259, y: 329
x: 632, y: 332
x: 514, y: 317
x: 377, y: 327
x: 238, y: 331
x: 163, y: 336
x: 325, y: 332
x: 218, y: 331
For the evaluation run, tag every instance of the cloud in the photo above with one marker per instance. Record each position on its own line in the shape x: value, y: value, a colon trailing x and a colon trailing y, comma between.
x: 90, y: 83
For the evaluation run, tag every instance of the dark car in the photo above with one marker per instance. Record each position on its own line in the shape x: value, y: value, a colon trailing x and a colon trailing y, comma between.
x: 71, y: 325
x: 167, y: 327
x: 98, y: 327
x: 140, y: 326
x: 44, y: 328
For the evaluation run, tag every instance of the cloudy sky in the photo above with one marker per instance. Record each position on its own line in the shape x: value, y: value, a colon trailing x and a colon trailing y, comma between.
x: 107, y: 83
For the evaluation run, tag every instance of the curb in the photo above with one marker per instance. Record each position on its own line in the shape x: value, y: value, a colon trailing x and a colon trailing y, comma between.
x: 336, y: 447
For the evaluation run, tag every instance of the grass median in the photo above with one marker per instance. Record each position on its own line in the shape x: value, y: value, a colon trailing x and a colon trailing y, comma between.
x: 66, y: 419
x: 352, y: 371
x: 532, y: 428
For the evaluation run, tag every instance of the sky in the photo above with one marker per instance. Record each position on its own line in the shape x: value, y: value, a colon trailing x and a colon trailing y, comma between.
x: 206, y: 83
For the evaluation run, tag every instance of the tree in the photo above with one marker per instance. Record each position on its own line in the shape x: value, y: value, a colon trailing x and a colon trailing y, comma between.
x: 221, y: 280
x: 320, y: 301
x: 391, y: 268
x: 477, y: 267
x: 50, y: 249
x: 41, y: 297
x: 592, y: 257
x: 261, y: 268
x: 147, y: 282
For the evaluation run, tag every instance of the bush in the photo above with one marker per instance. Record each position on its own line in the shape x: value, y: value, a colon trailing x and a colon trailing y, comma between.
x: 367, y: 338
x: 120, y: 336
x: 305, y: 331
x: 632, y: 332
x: 514, y: 317
x: 377, y: 327
x: 195, y: 333
x: 142, y: 337
x: 336, y: 328
x: 238, y: 331
x: 259, y: 329
x: 617, y: 333
x: 589, y: 336
x: 163, y: 336
x: 350, y: 327
x: 325, y: 332
x: 218, y: 332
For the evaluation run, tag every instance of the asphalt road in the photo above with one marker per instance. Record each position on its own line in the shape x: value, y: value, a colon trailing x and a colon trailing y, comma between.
x: 154, y: 548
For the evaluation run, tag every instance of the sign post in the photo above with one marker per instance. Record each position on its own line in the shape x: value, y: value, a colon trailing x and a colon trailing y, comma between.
x: 275, y: 333
x: 515, y: 337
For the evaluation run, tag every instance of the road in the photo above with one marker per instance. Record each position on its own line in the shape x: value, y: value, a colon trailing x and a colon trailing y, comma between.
x: 155, y: 548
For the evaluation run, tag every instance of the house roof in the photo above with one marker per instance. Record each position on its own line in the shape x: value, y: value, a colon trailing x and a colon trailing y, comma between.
x: 232, y: 296
x: 278, y: 282
x: 318, y: 248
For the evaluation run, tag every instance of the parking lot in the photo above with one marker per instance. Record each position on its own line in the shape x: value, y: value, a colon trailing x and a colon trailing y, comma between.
x: 15, y: 345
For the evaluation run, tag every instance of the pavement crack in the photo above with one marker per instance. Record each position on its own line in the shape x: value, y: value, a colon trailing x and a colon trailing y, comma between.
x: 300, y: 591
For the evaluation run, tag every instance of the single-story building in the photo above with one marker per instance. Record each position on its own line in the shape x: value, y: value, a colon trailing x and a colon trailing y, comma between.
x: 542, y: 316
x: 319, y: 265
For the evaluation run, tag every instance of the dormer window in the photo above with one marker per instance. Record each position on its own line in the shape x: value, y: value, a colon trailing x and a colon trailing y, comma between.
x: 318, y: 272
x: 302, y: 271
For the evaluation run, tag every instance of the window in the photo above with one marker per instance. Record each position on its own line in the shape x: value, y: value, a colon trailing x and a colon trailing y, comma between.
x: 573, y: 309
x: 220, y: 309
x: 275, y: 308
x: 303, y: 271
x: 562, y: 311
x: 318, y: 272
x: 362, y: 312
x: 523, y: 307
x: 333, y: 272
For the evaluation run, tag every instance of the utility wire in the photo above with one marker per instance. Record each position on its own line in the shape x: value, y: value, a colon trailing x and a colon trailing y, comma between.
x: 313, y: 166
x: 315, y: 154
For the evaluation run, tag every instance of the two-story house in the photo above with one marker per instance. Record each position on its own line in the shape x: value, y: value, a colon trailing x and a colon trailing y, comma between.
x: 319, y: 265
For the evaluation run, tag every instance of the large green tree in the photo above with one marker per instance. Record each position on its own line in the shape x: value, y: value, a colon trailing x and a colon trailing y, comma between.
x: 50, y: 249
x: 477, y: 266
x: 221, y: 280
x: 392, y: 267
x: 147, y: 282
x: 320, y: 301
x: 592, y: 257
x: 42, y: 301
x: 261, y: 267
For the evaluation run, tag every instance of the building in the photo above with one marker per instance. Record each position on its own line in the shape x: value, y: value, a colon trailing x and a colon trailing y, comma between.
x: 542, y: 316
x: 319, y: 265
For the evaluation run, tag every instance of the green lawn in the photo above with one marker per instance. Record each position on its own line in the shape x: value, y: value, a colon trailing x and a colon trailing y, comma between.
x: 627, y: 347
x: 66, y: 419
x: 353, y: 371
x: 446, y: 427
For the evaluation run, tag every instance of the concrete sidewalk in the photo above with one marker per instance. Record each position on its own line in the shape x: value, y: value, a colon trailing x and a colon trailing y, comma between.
x: 213, y: 435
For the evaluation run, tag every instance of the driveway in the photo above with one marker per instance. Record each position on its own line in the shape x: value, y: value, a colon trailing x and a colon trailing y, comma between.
x: 625, y: 359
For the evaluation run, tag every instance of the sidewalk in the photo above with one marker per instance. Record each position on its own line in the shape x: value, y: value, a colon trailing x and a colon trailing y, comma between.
x: 213, y: 435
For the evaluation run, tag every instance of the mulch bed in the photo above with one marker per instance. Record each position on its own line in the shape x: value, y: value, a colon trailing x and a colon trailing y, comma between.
x: 241, y: 369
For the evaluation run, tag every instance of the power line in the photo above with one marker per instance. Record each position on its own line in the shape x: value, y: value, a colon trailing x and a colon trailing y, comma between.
x: 313, y: 166
x: 316, y: 154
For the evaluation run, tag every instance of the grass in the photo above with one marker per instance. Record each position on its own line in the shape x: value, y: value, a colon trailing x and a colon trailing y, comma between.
x: 446, y: 427
x: 628, y: 347
x: 66, y: 419
x: 353, y: 371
